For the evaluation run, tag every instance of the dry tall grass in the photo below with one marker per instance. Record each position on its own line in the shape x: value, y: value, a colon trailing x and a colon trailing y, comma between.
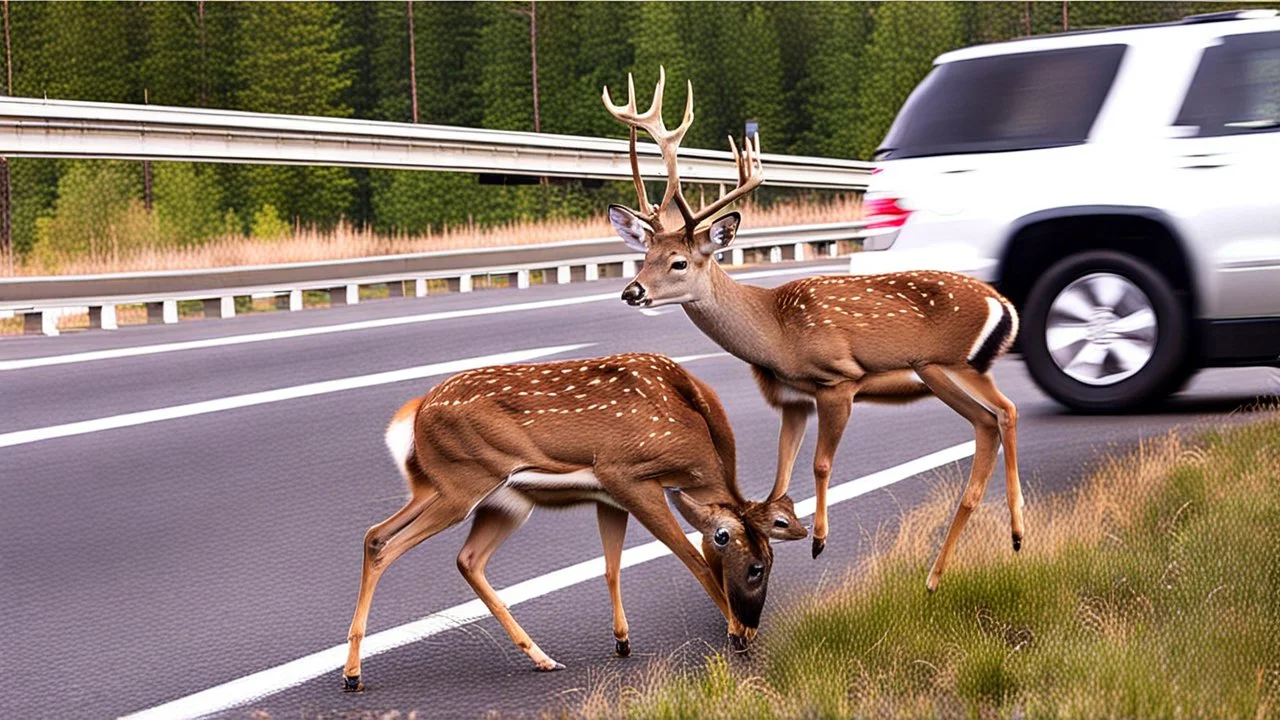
x: 1153, y: 591
x: 347, y: 241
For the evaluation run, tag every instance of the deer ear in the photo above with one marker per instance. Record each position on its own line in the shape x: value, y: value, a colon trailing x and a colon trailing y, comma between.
x: 700, y: 515
x: 635, y: 232
x: 721, y: 233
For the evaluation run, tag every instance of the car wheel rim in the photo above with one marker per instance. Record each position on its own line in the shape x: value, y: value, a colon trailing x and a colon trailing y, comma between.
x: 1101, y: 329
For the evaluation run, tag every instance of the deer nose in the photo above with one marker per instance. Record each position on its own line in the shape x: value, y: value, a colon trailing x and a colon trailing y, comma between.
x: 633, y: 294
x: 755, y: 572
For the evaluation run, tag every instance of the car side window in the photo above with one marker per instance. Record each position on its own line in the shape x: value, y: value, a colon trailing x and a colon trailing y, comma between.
x: 1236, y: 89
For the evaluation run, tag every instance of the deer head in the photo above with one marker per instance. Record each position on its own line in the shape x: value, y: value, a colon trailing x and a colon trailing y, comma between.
x: 736, y: 545
x: 675, y: 260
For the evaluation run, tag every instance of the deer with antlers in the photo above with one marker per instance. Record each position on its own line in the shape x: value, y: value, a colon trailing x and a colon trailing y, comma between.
x: 623, y: 432
x: 820, y: 343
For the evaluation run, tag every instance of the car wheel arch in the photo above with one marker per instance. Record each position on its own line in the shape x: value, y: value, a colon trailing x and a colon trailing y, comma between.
x: 1147, y: 233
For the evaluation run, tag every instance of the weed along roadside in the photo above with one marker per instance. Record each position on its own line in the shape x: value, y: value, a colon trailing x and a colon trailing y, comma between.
x: 1152, y: 591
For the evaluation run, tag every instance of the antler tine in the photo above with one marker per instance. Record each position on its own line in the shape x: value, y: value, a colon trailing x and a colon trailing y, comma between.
x: 668, y: 141
x: 750, y: 175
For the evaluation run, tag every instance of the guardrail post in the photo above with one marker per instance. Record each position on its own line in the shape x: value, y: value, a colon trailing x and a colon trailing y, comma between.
x: 165, y: 311
x: 775, y: 254
x: 291, y: 301
x: 344, y: 295
x: 737, y: 257
x: 222, y: 308
x: 593, y: 272
x: 40, y: 322
x: 628, y: 268
x: 563, y: 274
x: 464, y: 283
x: 799, y: 252
x: 833, y: 249
x: 103, y: 317
x: 522, y: 279
x: 419, y: 287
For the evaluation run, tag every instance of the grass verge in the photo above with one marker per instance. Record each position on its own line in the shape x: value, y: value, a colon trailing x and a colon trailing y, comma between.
x: 1152, y: 591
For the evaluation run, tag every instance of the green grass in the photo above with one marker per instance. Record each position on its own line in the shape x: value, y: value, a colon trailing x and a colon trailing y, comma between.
x: 1152, y: 592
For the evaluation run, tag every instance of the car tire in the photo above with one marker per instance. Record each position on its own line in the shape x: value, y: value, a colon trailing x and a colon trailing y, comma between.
x: 1088, y: 339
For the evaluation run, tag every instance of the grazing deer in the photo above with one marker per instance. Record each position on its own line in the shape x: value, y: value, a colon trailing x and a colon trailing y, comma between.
x: 622, y: 432
x: 822, y: 342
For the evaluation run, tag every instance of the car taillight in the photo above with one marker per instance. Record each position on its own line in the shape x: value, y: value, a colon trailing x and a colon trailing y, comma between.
x: 884, y: 212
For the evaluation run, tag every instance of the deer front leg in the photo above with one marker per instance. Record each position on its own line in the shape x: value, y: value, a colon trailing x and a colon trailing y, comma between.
x: 613, y: 530
x: 794, y: 419
x: 649, y: 505
x: 834, y: 405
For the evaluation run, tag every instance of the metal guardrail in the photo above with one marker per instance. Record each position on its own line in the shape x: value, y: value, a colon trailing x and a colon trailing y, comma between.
x: 33, y: 127
x: 41, y: 300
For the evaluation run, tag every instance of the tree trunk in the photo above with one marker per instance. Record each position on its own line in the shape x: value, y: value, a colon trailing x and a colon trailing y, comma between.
x: 1065, y: 23
x: 204, y: 60
x: 533, y: 45
x: 6, y: 197
x: 413, y: 65
x: 1026, y: 17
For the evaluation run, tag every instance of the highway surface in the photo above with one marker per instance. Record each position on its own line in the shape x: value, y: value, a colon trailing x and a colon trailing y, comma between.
x: 183, y: 508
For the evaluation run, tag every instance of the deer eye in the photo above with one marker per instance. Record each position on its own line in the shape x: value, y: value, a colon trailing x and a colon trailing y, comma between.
x: 780, y: 523
x: 721, y: 537
x: 680, y: 265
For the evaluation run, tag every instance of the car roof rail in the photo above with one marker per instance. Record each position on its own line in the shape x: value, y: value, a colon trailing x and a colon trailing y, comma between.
x: 1250, y: 14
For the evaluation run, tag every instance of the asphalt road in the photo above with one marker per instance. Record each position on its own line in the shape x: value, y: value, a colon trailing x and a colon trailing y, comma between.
x: 144, y: 562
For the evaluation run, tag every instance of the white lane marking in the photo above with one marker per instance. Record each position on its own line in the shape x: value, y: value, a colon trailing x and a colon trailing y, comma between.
x: 282, y: 677
x: 142, y: 417
x: 114, y: 353
x: 23, y: 437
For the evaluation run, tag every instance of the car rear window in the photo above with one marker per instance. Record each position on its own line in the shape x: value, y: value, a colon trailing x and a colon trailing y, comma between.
x: 1236, y: 89
x: 1021, y: 101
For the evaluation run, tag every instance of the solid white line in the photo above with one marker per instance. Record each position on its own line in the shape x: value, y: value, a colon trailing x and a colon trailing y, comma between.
x: 114, y: 353
x: 23, y: 437
x: 273, y: 680
x: 142, y: 417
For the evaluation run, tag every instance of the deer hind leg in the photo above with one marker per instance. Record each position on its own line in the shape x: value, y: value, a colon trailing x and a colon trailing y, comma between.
x: 984, y: 388
x: 613, y: 531
x: 425, y: 515
x: 493, y: 524
x: 834, y: 405
x: 986, y: 440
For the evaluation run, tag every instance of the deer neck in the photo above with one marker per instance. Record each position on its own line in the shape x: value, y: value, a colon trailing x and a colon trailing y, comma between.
x: 739, y: 318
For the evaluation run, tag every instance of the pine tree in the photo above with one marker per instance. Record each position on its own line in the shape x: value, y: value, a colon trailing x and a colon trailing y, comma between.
x: 657, y: 41
x: 291, y: 62
x: 906, y: 39
x: 760, y: 58
x: 506, y: 86
x: 832, y: 103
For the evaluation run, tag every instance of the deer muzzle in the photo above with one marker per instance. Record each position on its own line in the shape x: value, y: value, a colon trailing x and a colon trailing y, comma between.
x: 633, y: 294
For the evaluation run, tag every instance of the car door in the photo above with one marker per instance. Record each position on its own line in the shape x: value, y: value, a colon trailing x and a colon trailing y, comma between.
x: 1227, y: 165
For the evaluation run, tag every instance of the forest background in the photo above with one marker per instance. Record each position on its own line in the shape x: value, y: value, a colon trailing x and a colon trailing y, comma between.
x: 820, y: 78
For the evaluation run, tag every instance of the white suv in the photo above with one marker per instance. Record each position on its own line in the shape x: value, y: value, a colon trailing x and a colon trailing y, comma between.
x: 1121, y: 186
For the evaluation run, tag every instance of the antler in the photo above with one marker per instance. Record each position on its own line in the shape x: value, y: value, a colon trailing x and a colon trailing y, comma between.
x: 750, y: 176
x: 668, y: 143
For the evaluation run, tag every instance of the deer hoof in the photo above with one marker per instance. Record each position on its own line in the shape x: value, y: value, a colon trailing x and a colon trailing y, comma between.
x: 622, y: 648
x: 554, y: 666
x: 737, y: 643
x: 1017, y: 542
x: 352, y: 684
x: 819, y: 544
